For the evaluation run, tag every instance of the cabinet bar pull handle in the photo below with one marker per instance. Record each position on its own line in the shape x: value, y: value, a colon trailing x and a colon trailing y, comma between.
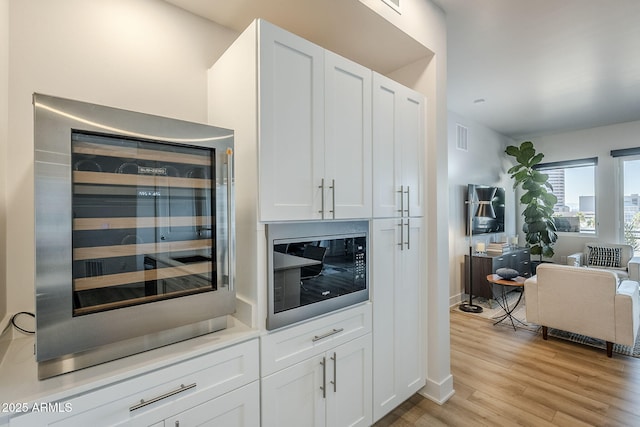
x: 321, y: 197
x: 408, y: 234
x: 401, y: 200
x: 408, y: 210
x: 335, y: 369
x: 401, y: 244
x: 144, y: 403
x: 333, y: 198
x: 230, y: 239
x: 324, y: 377
x: 328, y: 334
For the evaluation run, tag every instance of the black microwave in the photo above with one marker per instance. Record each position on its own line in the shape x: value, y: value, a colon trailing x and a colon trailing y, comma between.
x: 315, y: 268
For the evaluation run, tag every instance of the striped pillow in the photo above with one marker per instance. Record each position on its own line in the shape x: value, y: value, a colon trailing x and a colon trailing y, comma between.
x: 603, y: 257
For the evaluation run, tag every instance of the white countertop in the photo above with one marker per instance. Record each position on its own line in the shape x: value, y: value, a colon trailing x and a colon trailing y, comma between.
x: 19, y: 371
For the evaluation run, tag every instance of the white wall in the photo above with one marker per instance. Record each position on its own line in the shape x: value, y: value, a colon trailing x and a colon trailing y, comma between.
x: 143, y: 55
x: 484, y: 163
x: 4, y: 111
x: 426, y: 23
x: 594, y: 142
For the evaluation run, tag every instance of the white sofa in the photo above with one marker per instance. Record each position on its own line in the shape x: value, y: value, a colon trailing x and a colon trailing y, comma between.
x: 586, y: 301
x: 616, y: 257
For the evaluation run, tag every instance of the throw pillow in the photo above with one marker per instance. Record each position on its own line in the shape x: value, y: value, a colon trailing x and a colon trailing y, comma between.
x: 507, y: 273
x: 603, y: 257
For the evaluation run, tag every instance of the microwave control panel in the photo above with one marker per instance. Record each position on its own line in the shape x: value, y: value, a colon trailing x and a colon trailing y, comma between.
x: 360, y: 264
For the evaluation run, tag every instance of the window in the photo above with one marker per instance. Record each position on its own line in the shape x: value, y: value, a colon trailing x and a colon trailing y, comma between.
x: 630, y: 194
x: 573, y: 184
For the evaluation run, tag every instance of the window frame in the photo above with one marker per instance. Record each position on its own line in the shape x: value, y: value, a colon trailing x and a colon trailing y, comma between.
x: 577, y: 163
x: 622, y: 157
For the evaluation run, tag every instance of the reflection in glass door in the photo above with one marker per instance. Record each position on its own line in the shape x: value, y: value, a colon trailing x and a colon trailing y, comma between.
x: 142, y: 224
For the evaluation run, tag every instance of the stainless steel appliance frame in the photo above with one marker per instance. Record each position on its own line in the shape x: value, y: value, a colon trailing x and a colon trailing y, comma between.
x: 323, y: 230
x: 65, y: 343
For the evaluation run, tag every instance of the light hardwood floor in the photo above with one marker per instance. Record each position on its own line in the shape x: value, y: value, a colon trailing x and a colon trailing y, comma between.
x: 504, y: 377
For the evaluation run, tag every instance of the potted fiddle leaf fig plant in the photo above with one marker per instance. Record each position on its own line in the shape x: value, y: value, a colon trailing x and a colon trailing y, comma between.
x: 539, y: 224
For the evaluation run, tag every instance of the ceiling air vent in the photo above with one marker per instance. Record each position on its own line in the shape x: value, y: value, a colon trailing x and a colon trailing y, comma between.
x: 462, y: 134
x: 394, y: 4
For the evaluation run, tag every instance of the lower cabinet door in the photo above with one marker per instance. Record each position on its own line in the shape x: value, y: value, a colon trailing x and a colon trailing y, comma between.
x: 349, y: 391
x: 294, y: 396
x: 332, y: 389
x: 398, y: 353
x: 238, y: 408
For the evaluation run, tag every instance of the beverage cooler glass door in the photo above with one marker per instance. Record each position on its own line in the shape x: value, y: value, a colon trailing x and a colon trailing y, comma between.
x: 142, y: 226
x: 134, y: 231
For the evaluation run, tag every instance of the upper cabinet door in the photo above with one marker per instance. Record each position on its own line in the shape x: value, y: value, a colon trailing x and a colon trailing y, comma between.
x: 387, y: 154
x: 291, y: 125
x: 412, y: 135
x: 398, y: 149
x: 347, y: 138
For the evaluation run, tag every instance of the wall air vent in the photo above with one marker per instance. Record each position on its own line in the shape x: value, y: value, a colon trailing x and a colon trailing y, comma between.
x: 462, y: 134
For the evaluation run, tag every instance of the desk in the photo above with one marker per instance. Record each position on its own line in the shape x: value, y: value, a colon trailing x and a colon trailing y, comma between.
x: 502, y: 298
x: 286, y: 281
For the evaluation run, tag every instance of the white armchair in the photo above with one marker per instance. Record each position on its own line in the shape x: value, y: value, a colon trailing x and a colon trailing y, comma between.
x: 616, y: 257
x: 601, y: 306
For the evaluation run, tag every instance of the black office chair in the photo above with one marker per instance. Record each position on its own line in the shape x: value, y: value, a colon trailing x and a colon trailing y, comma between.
x: 313, y: 252
x: 281, y: 247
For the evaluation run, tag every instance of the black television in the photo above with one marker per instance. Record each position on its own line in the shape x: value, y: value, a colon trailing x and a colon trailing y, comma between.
x: 486, y: 204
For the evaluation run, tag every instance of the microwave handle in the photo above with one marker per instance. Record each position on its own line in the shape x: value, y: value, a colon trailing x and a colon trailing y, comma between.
x: 229, y: 218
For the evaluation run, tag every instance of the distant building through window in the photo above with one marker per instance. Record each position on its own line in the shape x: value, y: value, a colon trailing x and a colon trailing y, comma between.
x: 573, y: 184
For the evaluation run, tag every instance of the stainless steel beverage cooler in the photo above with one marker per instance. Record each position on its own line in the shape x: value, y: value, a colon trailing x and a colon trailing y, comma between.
x: 134, y: 218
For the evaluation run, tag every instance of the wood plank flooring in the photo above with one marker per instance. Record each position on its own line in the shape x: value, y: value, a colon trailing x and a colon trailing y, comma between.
x: 504, y: 377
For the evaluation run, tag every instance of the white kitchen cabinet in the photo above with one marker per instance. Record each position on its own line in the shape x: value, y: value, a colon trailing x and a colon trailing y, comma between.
x: 347, y: 138
x: 288, y: 346
x: 187, y: 389
x: 329, y: 389
x: 398, y: 149
x: 238, y: 408
x: 291, y: 124
x: 308, y: 118
x: 397, y: 295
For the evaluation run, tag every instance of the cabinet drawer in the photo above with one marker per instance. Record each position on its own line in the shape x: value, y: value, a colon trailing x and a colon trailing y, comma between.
x: 500, y: 262
x: 213, y: 374
x: 292, y: 345
x: 238, y: 408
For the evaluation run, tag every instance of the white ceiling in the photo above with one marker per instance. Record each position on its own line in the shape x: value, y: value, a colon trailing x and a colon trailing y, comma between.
x: 348, y: 28
x: 543, y: 65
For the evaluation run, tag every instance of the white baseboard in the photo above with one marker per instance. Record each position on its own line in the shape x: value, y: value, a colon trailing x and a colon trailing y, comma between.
x: 438, y: 392
x: 455, y: 299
